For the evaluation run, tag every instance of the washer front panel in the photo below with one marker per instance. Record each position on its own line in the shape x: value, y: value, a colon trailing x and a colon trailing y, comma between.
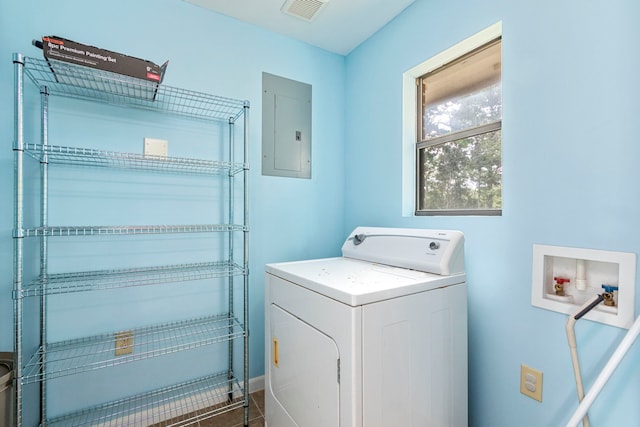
x: 414, y: 360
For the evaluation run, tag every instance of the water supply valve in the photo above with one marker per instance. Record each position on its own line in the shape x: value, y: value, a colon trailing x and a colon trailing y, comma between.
x: 559, y: 285
x: 608, y: 295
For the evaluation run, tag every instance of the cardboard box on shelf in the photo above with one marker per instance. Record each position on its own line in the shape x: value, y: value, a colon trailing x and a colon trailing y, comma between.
x: 143, y: 73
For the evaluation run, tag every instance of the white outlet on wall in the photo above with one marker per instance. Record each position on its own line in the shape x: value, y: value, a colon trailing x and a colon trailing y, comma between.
x: 155, y: 147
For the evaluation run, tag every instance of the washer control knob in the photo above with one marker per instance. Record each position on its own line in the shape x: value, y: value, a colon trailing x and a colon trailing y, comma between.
x: 434, y: 245
x: 358, y: 238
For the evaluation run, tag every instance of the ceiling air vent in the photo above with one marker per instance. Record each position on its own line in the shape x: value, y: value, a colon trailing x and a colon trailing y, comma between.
x: 303, y: 9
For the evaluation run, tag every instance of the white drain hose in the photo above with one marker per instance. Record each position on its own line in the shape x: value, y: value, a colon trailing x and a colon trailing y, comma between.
x: 573, y: 347
x: 606, y: 373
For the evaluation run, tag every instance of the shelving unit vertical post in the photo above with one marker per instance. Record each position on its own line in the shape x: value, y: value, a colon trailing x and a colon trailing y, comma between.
x: 18, y: 235
x: 44, y: 221
x: 245, y: 267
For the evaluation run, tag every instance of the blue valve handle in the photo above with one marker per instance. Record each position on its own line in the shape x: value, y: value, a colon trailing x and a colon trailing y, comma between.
x: 609, y: 288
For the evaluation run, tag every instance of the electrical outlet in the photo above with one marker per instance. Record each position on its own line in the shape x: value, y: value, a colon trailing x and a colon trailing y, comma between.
x: 531, y: 382
x: 156, y: 147
x: 124, y: 342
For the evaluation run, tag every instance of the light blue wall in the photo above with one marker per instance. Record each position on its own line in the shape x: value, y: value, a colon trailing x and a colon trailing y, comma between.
x: 570, y: 83
x: 289, y: 218
x: 571, y: 79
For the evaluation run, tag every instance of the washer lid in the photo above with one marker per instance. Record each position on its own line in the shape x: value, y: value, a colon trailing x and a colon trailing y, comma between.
x: 433, y: 251
x: 354, y: 282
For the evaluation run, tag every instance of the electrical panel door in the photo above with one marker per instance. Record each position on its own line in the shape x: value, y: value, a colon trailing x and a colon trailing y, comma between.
x: 286, y: 127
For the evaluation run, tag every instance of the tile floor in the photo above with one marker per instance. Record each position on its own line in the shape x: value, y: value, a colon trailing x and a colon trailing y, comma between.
x: 235, y: 418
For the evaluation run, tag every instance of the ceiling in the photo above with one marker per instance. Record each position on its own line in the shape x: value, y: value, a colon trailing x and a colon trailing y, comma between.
x: 335, y: 25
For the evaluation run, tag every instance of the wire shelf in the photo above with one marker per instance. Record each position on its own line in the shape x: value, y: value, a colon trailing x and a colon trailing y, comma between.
x: 178, y: 405
x: 75, y: 81
x: 98, y: 158
x: 63, y: 283
x: 107, y: 230
x: 87, y: 354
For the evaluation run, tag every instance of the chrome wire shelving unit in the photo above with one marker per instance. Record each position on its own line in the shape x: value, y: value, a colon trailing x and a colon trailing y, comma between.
x: 195, y: 399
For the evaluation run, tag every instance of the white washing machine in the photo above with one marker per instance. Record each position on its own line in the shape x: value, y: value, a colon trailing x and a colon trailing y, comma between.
x: 377, y: 337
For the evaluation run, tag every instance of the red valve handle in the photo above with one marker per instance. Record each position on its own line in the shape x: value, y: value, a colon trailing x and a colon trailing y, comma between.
x: 561, y: 280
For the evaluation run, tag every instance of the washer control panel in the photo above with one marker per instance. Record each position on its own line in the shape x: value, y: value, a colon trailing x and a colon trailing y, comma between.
x: 432, y: 251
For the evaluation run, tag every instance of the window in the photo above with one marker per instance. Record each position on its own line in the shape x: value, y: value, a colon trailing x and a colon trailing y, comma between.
x: 459, y: 135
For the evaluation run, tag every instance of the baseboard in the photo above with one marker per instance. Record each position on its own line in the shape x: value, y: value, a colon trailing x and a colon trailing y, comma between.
x: 256, y: 384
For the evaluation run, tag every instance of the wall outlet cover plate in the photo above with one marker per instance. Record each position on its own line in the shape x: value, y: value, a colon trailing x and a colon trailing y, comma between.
x: 531, y: 382
x: 155, y: 147
x: 124, y: 343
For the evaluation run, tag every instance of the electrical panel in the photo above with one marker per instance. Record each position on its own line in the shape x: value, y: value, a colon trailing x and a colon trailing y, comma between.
x: 286, y: 127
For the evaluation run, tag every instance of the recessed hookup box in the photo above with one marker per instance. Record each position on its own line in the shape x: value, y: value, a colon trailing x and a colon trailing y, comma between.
x: 142, y: 74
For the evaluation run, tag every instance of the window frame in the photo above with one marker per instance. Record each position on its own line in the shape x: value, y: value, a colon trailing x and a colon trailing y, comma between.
x: 411, y: 121
x: 443, y: 139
